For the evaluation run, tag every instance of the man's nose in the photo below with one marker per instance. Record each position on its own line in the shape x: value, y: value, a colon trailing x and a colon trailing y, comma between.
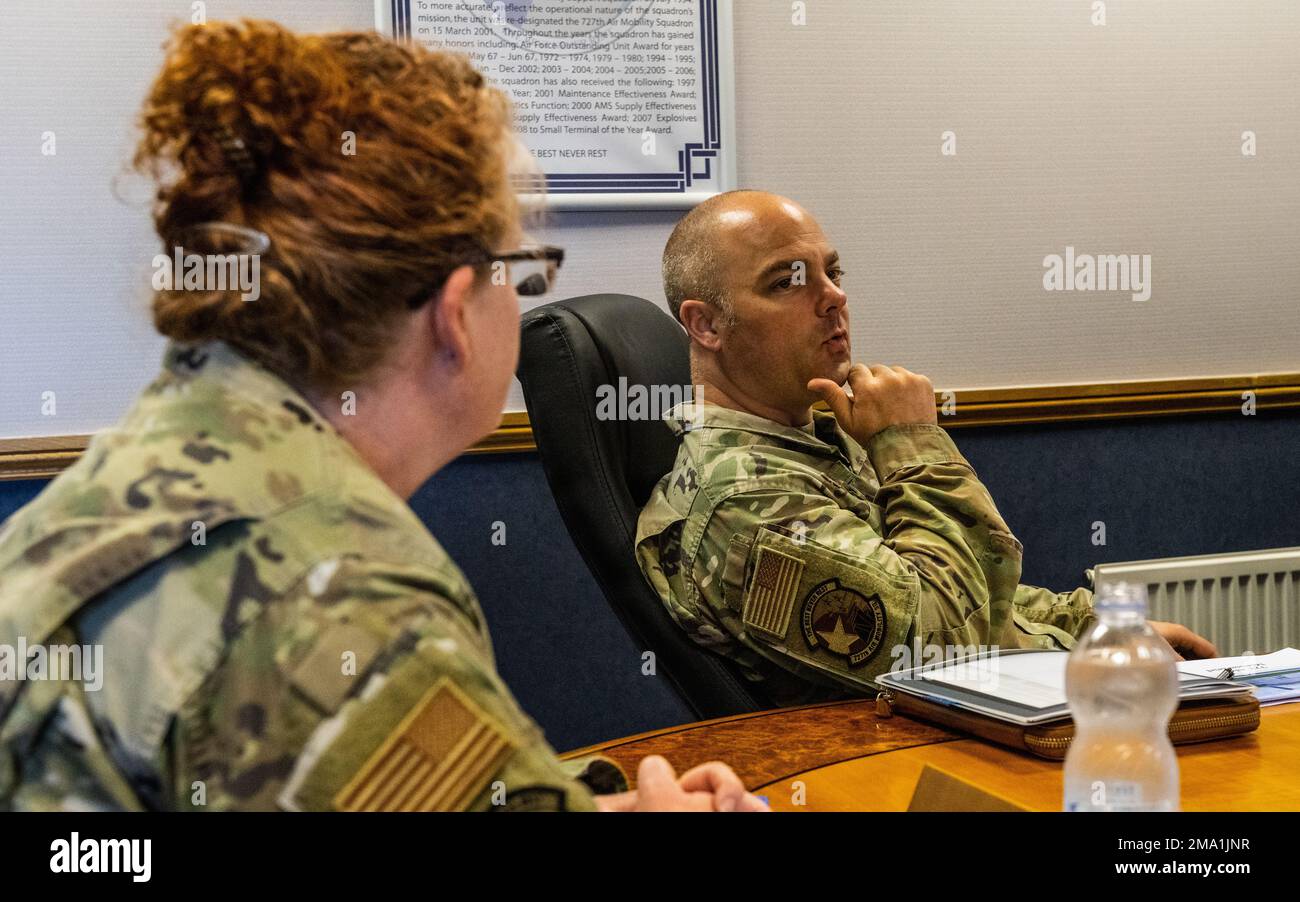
x: 831, y: 299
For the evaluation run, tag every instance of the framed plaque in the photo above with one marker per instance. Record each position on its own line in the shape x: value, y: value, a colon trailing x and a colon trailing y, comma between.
x: 623, y: 103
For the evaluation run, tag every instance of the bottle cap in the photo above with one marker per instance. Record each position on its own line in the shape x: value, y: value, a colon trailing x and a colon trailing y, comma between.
x: 1121, y: 596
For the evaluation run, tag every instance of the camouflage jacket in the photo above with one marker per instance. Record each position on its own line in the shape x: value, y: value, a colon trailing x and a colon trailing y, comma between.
x: 817, y: 564
x: 275, y: 627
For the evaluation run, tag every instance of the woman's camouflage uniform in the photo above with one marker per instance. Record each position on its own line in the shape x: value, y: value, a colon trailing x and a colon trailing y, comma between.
x: 278, y: 628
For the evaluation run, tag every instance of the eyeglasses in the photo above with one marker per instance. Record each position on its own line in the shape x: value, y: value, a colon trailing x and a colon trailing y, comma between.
x: 532, y: 270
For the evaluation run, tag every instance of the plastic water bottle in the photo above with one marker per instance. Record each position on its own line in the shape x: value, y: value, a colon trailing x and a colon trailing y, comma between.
x: 1122, y: 687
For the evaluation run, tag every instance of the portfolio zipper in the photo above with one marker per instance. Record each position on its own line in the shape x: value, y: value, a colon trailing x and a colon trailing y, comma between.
x: 885, y: 703
x: 1176, y: 732
x: 885, y: 708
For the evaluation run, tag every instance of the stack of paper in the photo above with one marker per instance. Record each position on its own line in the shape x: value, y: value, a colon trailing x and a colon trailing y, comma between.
x: 1275, y: 678
x: 1024, y: 686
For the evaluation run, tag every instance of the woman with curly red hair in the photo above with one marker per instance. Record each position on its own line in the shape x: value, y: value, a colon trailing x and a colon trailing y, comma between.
x: 278, y: 629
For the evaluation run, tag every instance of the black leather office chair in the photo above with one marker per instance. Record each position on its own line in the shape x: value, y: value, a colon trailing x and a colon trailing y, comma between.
x: 602, y: 471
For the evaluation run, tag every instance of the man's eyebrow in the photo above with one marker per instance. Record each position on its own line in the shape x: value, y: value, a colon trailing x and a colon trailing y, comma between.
x: 776, y: 267
x: 782, y: 265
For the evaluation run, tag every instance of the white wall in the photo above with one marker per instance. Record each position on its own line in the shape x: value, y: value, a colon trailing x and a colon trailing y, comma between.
x: 74, y: 276
x: 1121, y: 138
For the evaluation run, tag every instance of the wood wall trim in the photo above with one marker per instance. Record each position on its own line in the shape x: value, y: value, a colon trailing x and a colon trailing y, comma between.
x: 39, y: 458
x: 513, y: 435
x: 46, y: 456
x: 1120, y: 400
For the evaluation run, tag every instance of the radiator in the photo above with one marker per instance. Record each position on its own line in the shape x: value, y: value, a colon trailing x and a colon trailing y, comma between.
x: 1244, y: 602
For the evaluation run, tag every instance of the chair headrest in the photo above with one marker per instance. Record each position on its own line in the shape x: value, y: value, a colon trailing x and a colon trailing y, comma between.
x: 590, y: 357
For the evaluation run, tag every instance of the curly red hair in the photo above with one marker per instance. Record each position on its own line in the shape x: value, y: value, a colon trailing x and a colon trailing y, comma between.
x: 353, y: 235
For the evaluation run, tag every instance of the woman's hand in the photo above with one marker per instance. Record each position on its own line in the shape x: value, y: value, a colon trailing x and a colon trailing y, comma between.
x: 709, y: 787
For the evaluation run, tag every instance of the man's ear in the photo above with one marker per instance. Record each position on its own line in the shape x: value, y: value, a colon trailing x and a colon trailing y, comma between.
x: 701, y: 321
x: 450, y: 333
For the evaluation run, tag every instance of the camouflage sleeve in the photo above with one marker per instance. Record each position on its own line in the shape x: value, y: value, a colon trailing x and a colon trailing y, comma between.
x: 1062, y: 616
x: 384, y: 698
x: 805, y: 582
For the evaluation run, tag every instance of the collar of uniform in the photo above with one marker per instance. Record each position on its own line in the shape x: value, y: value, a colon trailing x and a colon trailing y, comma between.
x: 311, y: 453
x: 694, y: 417
x: 223, y: 365
x: 829, y: 439
x: 829, y: 431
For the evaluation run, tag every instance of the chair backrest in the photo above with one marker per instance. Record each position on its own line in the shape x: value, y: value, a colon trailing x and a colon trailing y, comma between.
x: 602, y: 470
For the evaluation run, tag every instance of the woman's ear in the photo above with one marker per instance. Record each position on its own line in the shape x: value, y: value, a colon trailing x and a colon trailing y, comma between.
x: 450, y: 330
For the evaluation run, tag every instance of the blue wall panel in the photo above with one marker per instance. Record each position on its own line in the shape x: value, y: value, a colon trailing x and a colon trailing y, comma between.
x: 1163, y: 488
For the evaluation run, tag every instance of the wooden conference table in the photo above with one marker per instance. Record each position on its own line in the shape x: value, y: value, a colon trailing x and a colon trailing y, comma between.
x: 849, y: 759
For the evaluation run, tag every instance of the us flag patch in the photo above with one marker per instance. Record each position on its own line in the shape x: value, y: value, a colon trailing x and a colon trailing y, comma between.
x: 771, y: 597
x: 438, y: 759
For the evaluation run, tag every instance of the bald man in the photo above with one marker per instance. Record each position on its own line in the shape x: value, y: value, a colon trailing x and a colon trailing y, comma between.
x: 820, y: 550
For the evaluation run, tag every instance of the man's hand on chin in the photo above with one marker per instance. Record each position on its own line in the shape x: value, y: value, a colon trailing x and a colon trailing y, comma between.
x: 1185, y: 643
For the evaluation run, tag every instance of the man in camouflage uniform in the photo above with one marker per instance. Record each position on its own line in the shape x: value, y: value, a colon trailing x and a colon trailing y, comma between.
x: 278, y: 628
x: 820, y: 550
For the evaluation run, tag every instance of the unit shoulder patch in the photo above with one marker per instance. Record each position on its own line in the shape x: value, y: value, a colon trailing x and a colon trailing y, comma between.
x: 825, y: 607
x: 843, y: 621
